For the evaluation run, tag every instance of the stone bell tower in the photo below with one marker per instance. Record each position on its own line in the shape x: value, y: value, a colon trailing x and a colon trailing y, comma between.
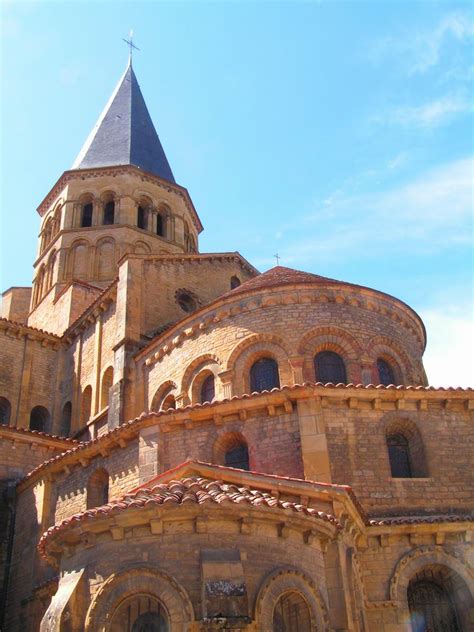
x: 119, y: 197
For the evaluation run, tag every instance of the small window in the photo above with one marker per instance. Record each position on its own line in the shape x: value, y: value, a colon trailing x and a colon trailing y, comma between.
x: 238, y: 456
x: 234, y: 282
x: 264, y: 375
x: 329, y: 367
x: 386, y: 376
x: 187, y: 302
x: 208, y: 390
x: 160, y: 225
x: 39, y: 419
x: 5, y: 411
x: 65, y: 427
x: 291, y: 614
x: 109, y: 212
x: 86, y: 406
x: 399, y: 456
x: 141, y: 217
x: 86, y: 218
x: 98, y: 489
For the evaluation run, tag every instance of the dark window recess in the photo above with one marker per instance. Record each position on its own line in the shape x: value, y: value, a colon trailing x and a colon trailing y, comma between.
x: 5, y: 411
x: 291, y: 614
x: 238, y: 457
x: 208, y: 390
x: 159, y: 225
x: 399, y: 456
x: 109, y: 213
x: 264, y: 375
x: 186, y: 302
x: 86, y: 219
x: 39, y: 419
x: 65, y: 427
x: 386, y: 376
x: 431, y: 608
x: 234, y: 282
x: 329, y: 367
x: 141, y: 217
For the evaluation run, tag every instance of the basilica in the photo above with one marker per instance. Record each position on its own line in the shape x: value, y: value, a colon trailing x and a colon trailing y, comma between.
x: 190, y: 445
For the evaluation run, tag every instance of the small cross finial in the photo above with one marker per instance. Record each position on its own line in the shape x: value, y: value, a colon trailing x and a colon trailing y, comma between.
x: 130, y: 44
x: 277, y: 257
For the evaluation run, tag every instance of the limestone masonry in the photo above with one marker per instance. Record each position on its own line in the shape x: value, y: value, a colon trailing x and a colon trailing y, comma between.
x: 187, y: 444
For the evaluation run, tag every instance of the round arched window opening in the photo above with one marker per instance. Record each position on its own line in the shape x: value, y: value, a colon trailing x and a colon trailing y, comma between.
x: 431, y: 607
x: 208, y: 389
x: 264, y: 375
x: 291, y: 614
x: 140, y: 613
x: 385, y: 371
x: 330, y: 367
x: 234, y: 282
x: 187, y: 302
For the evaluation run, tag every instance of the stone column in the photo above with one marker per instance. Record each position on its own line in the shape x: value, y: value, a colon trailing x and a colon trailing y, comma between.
x: 314, y: 447
x: 226, y: 378
x: 297, y: 363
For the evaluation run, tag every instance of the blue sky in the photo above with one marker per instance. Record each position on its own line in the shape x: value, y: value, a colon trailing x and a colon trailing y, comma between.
x: 338, y: 134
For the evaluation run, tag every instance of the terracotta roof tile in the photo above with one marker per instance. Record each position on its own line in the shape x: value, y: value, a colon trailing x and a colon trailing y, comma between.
x: 37, y: 433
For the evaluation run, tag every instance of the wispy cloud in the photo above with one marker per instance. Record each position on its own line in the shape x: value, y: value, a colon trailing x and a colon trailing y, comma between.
x: 421, y: 50
x: 429, y: 115
x: 432, y: 213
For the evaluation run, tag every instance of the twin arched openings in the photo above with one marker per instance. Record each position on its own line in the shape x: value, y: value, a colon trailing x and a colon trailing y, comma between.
x: 108, y: 211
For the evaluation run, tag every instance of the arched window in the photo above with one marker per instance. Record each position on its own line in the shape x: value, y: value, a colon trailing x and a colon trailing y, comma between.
x: 168, y: 402
x: 140, y: 613
x: 329, y: 367
x: 291, y: 614
x: 109, y: 212
x: 208, y: 389
x: 264, y: 375
x: 141, y: 217
x: 65, y: 427
x: 160, y: 225
x: 431, y: 607
x: 39, y: 419
x: 186, y: 301
x: 234, y: 282
x: 86, y: 407
x: 98, y: 489
x: 399, y: 456
x: 237, y: 456
x: 5, y: 411
x: 86, y: 216
x: 386, y: 376
x: 107, y: 381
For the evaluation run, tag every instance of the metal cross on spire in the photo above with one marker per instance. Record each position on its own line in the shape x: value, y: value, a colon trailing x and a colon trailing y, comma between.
x: 131, y: 45
x: 277, y: 257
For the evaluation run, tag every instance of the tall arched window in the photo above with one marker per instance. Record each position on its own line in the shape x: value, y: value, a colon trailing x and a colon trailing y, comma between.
x: 141, y: 217
x: 329, y: 367
x: 208, y: 389
x: 109, y: 212
x: 107, y: 381
x: 264, y: 375
x: 160, y: 225
x: 86, y: 406
x: 431, y: 607
x: 5, y: 411
x: 86, y: 216
x: 140, y: 613
x: 39, y: 419
x: 98, y: 489
x: 385, y: 371
x: 399, y: 456
x: 291, y: 614
x: 65, y: 427
x: 237, y: 456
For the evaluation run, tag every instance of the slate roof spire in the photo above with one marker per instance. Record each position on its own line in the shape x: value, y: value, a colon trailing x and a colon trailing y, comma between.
x: 124, y: 133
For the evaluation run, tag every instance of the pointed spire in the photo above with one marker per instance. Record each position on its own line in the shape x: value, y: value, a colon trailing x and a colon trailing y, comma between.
x: 124, y: 133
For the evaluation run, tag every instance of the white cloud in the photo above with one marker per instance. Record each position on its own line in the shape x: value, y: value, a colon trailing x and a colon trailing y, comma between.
x: 429, y: 115
x: 421, y: 50
x: 430, y: 214
x: 449, y: 355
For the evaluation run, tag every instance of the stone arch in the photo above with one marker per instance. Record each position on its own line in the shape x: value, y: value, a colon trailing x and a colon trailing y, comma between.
x: 389, y: 350
x: 86, y: 404
x: 109, y: 208
x: 167, y: 388
x: 200, y: 363
x: 252, y: 349
x: 40, y: 284
x: 284, y: 580
x: 47, y: 232
x: 40, y: 419
x: 450, y: 565
x: 105, y: 258
x: 50, y: 269
x: 226, y: 442
x: 85, y: 210
x: 396, y: 424
x: 127, y: 583
x: 79, y: 259
x: 333, y: 339
x: 141, y: 248
x: 97, y: 491
x: 107, y: 381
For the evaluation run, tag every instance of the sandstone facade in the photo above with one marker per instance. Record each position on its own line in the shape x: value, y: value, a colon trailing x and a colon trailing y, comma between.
x: 187, y: 444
